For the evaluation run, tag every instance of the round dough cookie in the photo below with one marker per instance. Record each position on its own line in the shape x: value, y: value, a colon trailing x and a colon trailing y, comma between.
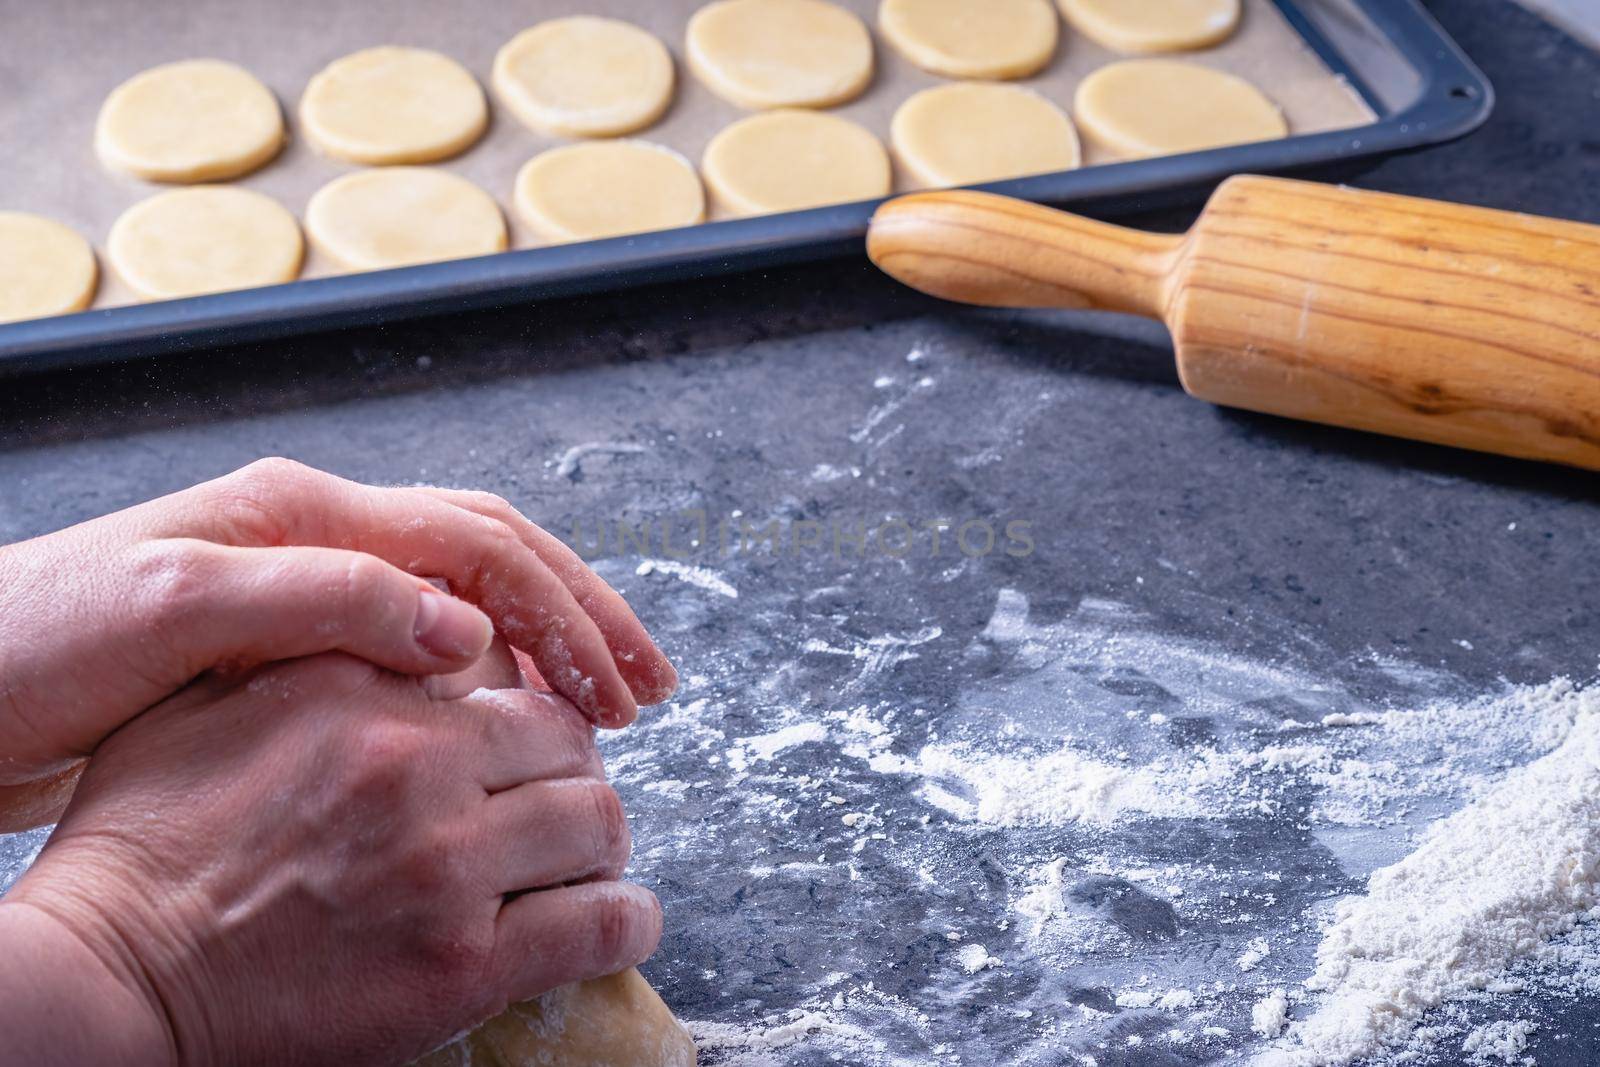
x: 45, y: 268
x: 606, y: 189
x: 198, y: 120
x: 584, y: 76
x: 972, y: 38
x: 1153, y: 25
x: 981, y: 132
x: 780, y: 53
x: 393, y: 105
x: 1153, y: 107
x: 789, y: 160
x: 399, y: 216
x: 204, y: 240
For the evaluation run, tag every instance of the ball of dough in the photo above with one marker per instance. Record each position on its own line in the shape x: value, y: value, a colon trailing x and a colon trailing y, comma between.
x: 393, y: 105
x: 45, y: 268
x: 608, y: 188
x: 207, y: 239
x: 1153, y: 107
x: 605, y: 1022
x: 780, y: 53
x: 972, y: 38
x: 399, y: 216
x: 1153, y: 25
x: 584, y: 76
x: 198, y: 120
x: 981, y: 132
x: 789, y: 160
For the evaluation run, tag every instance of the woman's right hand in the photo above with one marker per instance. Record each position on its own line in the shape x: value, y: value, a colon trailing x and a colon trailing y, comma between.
x: 321, y: 862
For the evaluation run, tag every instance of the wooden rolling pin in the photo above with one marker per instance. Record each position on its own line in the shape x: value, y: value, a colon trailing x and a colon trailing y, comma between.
x: 1457, y: 325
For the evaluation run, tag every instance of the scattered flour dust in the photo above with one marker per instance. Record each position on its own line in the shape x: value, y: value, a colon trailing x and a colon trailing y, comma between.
x: 1061, y: 787
x: 747, y: 1045
x: 1505, y: 890
x: 1489, y: 884
x: 973, y: 958
x: 1268, y: 1014
x: 699, y: 577
x: 570, y: 463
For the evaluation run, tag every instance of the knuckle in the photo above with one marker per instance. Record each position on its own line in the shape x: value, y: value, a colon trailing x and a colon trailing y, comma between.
x: 430, y: 866
x: 272, y: 468
x: 337, y: 674
x: 383, y: 763
x: 458, y: 956
x: 365, y: 597
x: 252, y: 500
x: 620, y: 924
x: 609, y: 823
x: 174, y: 579
x: 492, y: 503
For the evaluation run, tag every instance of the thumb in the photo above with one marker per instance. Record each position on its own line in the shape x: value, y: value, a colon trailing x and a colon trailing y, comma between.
x: 257, y: 605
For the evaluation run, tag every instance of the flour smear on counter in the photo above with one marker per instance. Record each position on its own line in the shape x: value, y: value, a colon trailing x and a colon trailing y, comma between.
x: 1468, y: 831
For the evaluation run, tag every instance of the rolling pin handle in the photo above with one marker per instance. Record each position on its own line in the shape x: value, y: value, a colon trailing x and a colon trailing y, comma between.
x: 978, y: 248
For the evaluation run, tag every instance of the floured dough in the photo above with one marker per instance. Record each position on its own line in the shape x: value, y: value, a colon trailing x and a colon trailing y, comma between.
x: 780, y: 53
x: 608, y: 1022
x: 972, y: 38
x: 1152, y: 107
x: 1153, y: 25
x: 584, y: 76
x: 981, y: 132
x: 607, y: 188
x: 788, y: 160
x: 45, y: 268
x: 206, y: 239
x: 393, y: 105
x: 198, y: 120
x: 398, y: 216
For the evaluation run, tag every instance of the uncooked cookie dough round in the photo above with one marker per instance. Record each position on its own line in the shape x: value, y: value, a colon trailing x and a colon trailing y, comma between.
x: 977, y: 132
x: 584, y: 76
x: 972, y: 38
x: 45, y: 268
x: 208, y: 239
x: 198, y: 120
x: 393, y: 105
x: 789, y: 160
x: 399, y: 216
x: 1152, y: 107
x: 780, y: 53
x: 607, y: 188
x: 1153, y: 25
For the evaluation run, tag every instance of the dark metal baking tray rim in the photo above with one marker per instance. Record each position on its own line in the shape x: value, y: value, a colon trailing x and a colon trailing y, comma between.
x: 1455, y: 98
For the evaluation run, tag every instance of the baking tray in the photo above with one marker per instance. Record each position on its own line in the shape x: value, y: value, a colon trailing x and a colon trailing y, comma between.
x: 1358, y: 79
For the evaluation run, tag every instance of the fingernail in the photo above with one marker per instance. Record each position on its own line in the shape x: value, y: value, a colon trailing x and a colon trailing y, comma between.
x: 450, y: 628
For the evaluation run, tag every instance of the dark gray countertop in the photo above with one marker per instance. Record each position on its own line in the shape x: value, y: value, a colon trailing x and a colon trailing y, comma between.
x: 792, y: 396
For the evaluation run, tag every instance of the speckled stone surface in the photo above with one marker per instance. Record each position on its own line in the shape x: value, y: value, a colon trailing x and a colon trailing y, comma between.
x: 790, y: 396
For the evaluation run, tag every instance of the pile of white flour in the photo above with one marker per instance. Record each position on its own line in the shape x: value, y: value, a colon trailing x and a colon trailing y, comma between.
x: 1490, y: 883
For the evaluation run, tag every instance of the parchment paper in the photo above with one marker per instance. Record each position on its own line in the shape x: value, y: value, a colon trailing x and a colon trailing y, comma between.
x: 59, y: 60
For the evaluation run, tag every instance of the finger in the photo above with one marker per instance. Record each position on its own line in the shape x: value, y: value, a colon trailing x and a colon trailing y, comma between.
x: 26, y: 805
x: 497, y: 668
x: 530, y: 671
x: 550, y: 833
x: 237, y: 607
x: 483, y: 560
x: 557, y: 936
x: 647, y: 671
x: 525, y: 735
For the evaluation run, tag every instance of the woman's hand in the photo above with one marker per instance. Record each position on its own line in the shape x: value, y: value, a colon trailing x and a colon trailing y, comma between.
x: 319, y: 862
x: 275, y: 561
